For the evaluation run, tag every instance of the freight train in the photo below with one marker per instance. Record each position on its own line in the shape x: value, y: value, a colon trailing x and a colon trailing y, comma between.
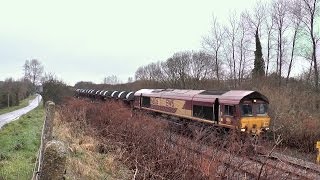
x: 243, y: 110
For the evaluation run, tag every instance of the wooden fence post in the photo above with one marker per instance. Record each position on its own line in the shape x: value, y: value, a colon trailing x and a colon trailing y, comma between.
x: 54, y: 161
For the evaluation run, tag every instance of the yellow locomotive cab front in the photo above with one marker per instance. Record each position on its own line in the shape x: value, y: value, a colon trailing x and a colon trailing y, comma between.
x: 255, y: 125
x: 254, y: 118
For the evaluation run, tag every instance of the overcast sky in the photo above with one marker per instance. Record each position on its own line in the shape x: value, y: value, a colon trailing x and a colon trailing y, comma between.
x: 88, y: 40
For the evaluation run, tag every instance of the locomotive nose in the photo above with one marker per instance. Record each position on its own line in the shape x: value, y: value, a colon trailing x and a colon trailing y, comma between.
x: 254, y: 124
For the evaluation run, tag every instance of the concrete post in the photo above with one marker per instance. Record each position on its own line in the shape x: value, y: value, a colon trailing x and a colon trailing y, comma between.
x: 47, y: 131
x: 54, y: 161
x: 50, y: 111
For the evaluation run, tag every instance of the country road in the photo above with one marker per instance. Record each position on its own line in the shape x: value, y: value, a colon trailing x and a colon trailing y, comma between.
x: 11, y: 116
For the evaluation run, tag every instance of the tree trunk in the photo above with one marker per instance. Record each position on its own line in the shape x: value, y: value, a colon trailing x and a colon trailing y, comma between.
x: 217, y: 66
x: 268, y: 53
x: 292, y: 53
x: 280, y: 56
x: 315, y: 65
x: 277, y: 66
x: 234, y: 64
x: 240, y: 64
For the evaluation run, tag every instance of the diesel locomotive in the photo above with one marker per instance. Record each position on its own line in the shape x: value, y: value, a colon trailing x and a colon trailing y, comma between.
x: 243, y: 110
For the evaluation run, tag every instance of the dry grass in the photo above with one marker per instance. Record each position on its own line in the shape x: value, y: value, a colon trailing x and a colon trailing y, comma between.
x: 84, y: 160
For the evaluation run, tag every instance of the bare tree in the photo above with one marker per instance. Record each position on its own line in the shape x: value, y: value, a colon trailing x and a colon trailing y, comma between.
x: 141, y: 73
x: 130, y: 79
x: 113, y: 80
x: 227, y: 51
x: 151, y: 73
x: 243, y: 43
x: 181, y: 61
x: 256, y: 19
x: 280, y: 13
x: 295, y: 16
x: 232, y: 32
x: 182, y: 70
x: 33, y: 71
x: 199, y: 67
x: 310, y: 12
x: 213, y: 44
x: 170, y: 70
x: 269, y: 25
x: 155, y: 72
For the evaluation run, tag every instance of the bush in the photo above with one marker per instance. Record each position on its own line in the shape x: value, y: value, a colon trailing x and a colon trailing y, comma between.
x: 55, y: 90
x: 294, y: 116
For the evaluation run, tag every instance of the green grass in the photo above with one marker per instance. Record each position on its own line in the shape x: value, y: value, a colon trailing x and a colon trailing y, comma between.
x: 22, y: 104
x: 19, y: 144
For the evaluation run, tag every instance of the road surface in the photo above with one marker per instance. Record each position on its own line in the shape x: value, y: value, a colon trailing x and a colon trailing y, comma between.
x: 14, y: 115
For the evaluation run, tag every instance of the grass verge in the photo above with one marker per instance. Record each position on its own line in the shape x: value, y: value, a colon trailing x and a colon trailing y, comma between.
x: 22, y: 104
x: 19, y: 144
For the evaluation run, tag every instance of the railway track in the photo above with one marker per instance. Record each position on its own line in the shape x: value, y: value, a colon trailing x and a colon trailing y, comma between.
x: 259, y: 166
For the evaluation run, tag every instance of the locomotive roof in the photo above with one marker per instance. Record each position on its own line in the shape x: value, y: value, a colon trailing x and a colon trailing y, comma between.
x: 169, y: 93
x: 232, y: 96
x: 235, y: 96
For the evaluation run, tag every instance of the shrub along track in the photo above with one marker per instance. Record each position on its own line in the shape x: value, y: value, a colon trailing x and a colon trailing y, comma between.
x: 154, y: 152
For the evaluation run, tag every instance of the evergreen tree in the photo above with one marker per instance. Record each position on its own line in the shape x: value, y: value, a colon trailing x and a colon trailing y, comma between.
x: 258, y: 69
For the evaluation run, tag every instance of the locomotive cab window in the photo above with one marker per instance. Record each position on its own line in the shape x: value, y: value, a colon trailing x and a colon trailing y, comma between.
x: 145, y: 101
x: 246, y: 110
x: 229, y: 110
x: 204, y: 112
x: 261, y: 109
